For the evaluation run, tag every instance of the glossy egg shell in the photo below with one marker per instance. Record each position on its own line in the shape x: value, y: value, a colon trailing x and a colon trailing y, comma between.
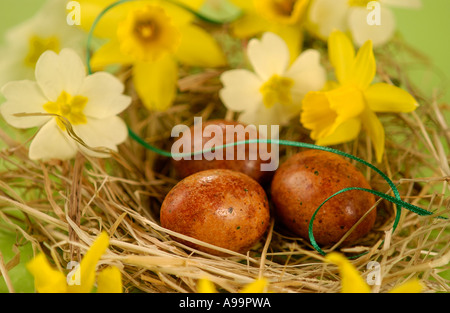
x: 221, y: 207
x: 305, y: 181
x: 250, y: 166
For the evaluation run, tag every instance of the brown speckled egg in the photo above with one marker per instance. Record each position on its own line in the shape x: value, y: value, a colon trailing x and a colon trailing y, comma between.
x: 250, y: 165
x: 221, y: 207
x: 305, y: 181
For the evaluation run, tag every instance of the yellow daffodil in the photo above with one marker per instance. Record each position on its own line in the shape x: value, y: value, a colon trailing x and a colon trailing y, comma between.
x: 352, y: 282
x: 337, y: 115
x: 282, y: 17
x: 324, y: 16
x: 272, y: 94
x: 153, y: 37
x: 64, y: 93
x: 258, y: 286
x: 24, y: 43
x: 83, y: 278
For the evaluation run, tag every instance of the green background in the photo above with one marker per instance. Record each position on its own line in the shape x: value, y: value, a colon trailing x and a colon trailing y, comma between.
x: 426, y: 30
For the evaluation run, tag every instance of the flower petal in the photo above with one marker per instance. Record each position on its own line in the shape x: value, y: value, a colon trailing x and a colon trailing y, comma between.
x: 89, y: 263
x: 351, y: 280
x: 317, y: 115
x: 342, y: 55
x: 346, y: 132
x: 364, y: 67
x: 206, y: 286
x: 375, y: 130
x: 156, y: 82
x: 326, y: 16
x: 102, y: 133
x: 52, y: 143
x: 23, y: 97
x: 363, y: 31
x: 198, y: 48
x: 241, y: 90
x: 258, y: 286
x: 46, y: 278
x: 412, y: 286
x: 383, y: 97
x: 109, y: 281
x: 57, y: 73
x: 104, y: 93
x: 249, y: 25
x: 308, y: 74
x: 268, y: 56
x: 110, y: 54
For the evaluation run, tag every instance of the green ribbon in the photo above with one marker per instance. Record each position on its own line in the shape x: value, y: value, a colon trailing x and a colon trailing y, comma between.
x: 396, y: 200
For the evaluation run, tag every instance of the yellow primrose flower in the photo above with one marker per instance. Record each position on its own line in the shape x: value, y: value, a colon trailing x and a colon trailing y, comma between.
x: 272, y: 94
x: 359, y: 17
x: 336, y: 116
x: 49, y: 280
x: 258, y: 286
x: 282, y: 17
x: 352, y: 282
x: 24, y: 43
x: 152, y: 37
x: 89, y: 103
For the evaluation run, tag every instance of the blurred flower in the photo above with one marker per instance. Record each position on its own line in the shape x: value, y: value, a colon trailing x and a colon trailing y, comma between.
x: 352, y: 282
x: 282, y: 17
x: 258, y: 286
x: 336, y: 115
x: 24, y: 44
x: 152, y: 37
x: 272, y: 94
x: 324, y: 16
x: 90, y: 104
x: 82, y: 278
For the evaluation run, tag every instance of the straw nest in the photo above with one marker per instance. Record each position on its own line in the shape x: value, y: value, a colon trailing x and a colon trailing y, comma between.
x: 64, y: 205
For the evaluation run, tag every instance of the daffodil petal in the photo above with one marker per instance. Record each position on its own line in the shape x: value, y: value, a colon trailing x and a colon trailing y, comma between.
x: 52, y: 143
x: 109, y: 280
x: 412, y: 286
x: 346, y: 132
x: 110, y: 54
x: 258, y: 286
x: 348, y: 102
x: 270, y: 47
x: 23, y: 97
x: 246, y: 5
x: 56, y: 73
x: 362, y: 31
x: 375, y: 130
x: 342, y: 55
x: 198, y: 48
x: 102, y: 133
x: 364, y: 67
x: 156, y: 82
x: 104, y: 94
x: 384, y: 97
x: 177, y: 13
x: 241, y: 90
x: 206, y: 286
x: 89, y: 263
x: 351, y: 281
x: 317, y: 115
x: 46, y: 278
x: 249, y: 25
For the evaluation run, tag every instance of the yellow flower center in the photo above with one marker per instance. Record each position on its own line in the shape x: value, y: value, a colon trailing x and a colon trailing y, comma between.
x: 359, y: 3
x: 68, y: 107
x: 38, y: 45
x: 277, y: 90
x: 147, y: 34
x: 282, y: 11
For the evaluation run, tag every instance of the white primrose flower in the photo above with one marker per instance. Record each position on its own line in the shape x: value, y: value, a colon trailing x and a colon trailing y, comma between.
x: 324, y: 16
x: 272, y: 94
x: 64, y: 93
x: 46, y: 30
